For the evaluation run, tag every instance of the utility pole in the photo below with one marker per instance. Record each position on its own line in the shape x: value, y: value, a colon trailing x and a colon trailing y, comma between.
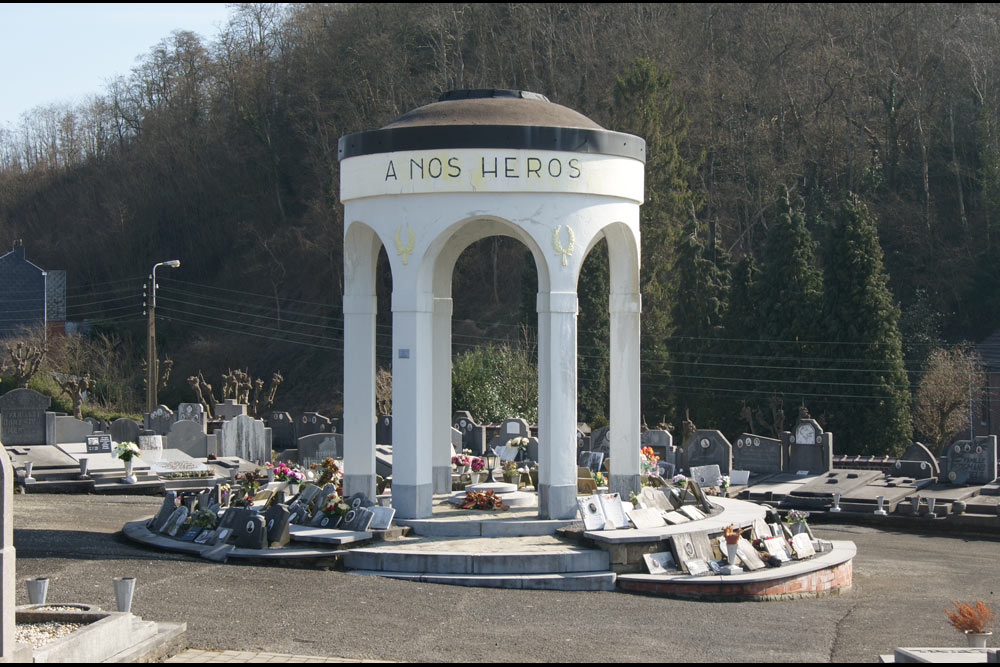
x: 152, y: 364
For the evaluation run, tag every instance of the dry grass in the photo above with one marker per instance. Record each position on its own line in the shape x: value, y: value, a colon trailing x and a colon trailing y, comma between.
x: 971, y: 617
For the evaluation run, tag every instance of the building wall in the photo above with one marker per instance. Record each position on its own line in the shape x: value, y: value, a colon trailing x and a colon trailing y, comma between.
x: 22, y: 293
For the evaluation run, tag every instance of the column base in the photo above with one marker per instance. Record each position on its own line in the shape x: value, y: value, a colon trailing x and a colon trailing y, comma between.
x: 557, y: 501
x: 442, y: 479
x: 359, y: 484
x: 624, y: 484
x: 412, y: 501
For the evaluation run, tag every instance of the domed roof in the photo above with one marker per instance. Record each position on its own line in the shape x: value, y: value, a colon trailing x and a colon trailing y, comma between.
x: 493, y: 107
x: 492, y: 118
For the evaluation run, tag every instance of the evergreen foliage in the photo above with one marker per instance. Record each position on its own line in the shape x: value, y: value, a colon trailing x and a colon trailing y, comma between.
x: 593, y: 365
x: 862, y: 321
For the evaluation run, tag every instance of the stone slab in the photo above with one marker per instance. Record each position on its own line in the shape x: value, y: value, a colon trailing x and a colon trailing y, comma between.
x: 102, y: 462
x: 949, y: 655
x: 166, y: 461
x: 327, y: 536
x: 43, y: 456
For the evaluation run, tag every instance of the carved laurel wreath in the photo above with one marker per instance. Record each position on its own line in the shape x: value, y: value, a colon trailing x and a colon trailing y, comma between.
x: 568, y: 250
x: 399, y: 244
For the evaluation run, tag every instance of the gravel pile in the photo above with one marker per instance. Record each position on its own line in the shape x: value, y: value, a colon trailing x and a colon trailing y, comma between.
x: 39, y: 634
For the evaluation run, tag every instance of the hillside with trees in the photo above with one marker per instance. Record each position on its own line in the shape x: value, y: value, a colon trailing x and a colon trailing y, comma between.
x: 823, y: 193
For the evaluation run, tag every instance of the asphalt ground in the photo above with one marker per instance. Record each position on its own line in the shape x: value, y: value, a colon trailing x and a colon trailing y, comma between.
x: 903, y: 582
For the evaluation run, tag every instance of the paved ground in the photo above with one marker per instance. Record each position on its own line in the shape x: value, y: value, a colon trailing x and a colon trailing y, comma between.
x: 902, y: 584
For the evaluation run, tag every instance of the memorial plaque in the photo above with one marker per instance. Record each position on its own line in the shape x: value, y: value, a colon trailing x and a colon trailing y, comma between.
x: 697, y: 567
x: 802, y: 546
x: 692, y: 512
x: 98, y: 444
x: 382, y: 518
x: 166, y: 509
x: 159, y: 420
x: 706, y: 475
x: 22, y: 417
x: 591, y: 513
x: 758, y: 454
x: 645, y: 517
x: 675, y: 518
x: 276, y: 522
x: 977, y: 459
x: 684, y: 549
x: 358, y: 519
x: 707, y: 447
x: 660, y: 563
x: 614, y: 510
x: 251, y: 533
x: 739, y: 477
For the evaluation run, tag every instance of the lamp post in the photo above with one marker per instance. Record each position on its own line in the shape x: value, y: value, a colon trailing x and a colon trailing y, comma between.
x: 152, y: 366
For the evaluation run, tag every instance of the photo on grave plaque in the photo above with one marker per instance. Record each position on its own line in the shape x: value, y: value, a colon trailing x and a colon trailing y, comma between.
x: 591, y: 513
x: 97, y: 444
x: 614, y: 510
x: 204, y: 537
x: 190, y: 534
x: 802, y: 546
x: 223, y: 535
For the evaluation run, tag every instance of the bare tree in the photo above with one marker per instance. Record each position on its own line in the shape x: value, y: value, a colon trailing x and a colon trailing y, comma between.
x: 951, y: 388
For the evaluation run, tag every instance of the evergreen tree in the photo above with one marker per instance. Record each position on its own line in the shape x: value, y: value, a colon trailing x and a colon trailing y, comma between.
x: 593, y: 363
x: 789, y: 306
x: 872, y: 415
x: 697, y: 312
x: 644, y: 105
x: 740, y: 332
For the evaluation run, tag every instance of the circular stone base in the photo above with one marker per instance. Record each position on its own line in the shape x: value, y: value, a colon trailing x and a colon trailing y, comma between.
x: 495, y: 487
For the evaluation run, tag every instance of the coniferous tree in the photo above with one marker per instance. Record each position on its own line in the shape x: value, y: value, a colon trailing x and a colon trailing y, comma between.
x: 740, y: 334
x: 697, y: 313
x: 789, y: 303
x: 593, y: 363
x: 871, y: 398
x: 644, y: 105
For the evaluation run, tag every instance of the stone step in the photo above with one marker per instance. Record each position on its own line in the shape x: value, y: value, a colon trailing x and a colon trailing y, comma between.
x: 571, y: 581
x: 60, y: 486
x: 151, y: 486
x: 450, y: 562
x: 484, y: 527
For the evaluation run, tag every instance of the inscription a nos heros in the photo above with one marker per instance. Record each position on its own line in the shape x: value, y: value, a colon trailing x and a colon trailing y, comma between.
x: 495, y: 167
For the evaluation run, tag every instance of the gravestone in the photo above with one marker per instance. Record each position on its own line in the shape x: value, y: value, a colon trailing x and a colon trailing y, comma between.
x: 70, y: 429
x: 174, y: 521
x: 383, y: 430
x: 159, y: 420
x: 591, y: 460
x: 914, y: 469
x: 510, y: 428
x: 707, y: 447
x: 229, y: 409
x: 192, y: 412
x: 316, y: 447
x: 166, y: 509
x: 150, y: 446
x: 456, y: 441
x: 313, y: 422
x: 600, y: 440
x: 382, y: 517
x: 706, y: 475
x: 251, y: 532
x: 189, y: 437
x: 972, y: 461
x: 244, y: 437
x: 919, y: 452
x: 99, y: 444
x: 473, y: 434
x: 276, y: 522
x: 282, y: 429
x: 22, y: 417
x: 95, y: 424
x: 809, y: 448
x: 760, y: 455
x: 358, y: 519
x: 660, y: 441
x: 125, y: 430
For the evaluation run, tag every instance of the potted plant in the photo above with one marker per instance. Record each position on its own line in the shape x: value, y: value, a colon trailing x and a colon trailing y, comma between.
x: 972, y: 619
x: 600, y: 479
x: 796, y: 521
x: 126, y: 451
x: 521, y: 444
x: 723, y: 484
x: 478, y: 465
x: 511, y: 475
x: 204, y: 519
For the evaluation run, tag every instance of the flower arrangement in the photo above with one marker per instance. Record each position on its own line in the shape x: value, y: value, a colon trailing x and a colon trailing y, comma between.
x: 250, y: 482
x: 633, y: 498
x: 204, y: 519
x: 477, y: 464
x: 510, y: 467
x: 482, y: 500
x: 328, y: 471
x: 335, y: 506
x: 731, y: 535
x: 723, y: 482
x: 796, y: 515
x: 520, y: 443
x: 971, y: 618
x: 126, y: 451
x: 212, y: 457
x: 679, y: 480
x: 284, y: 473
x: 648, y: 461
x: 600, y: 480
x: 461, y: 461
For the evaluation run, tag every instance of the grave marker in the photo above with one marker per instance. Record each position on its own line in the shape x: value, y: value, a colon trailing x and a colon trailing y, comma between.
x: 97, y: 444
x: 244, y: 437
x: 125, y: 430
x: 707, y: 447
x: 809, y: 447
x: 282, y: 429
x: 758, y: 454
x: 159, y: 420
x: 192, y: 412
x: 189, y: 437
x: 313, y: 422
x: 972, y: 461
x: 22, y: 417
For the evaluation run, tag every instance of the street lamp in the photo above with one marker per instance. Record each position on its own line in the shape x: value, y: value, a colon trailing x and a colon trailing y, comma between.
x: 152, y: 366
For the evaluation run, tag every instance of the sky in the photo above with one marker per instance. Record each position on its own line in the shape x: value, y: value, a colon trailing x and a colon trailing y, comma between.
x: 55, y: 53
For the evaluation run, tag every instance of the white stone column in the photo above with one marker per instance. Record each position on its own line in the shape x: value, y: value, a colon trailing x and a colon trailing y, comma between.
x: 557, y: 495
x: 441, y: 395
x: 8, y: 578
x: 624, y: 390
x: 412, y: 405
x: 359, y: 394
x: 544, y: 441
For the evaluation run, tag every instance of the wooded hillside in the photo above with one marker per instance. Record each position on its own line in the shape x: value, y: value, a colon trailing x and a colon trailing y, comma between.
x: 223, y: 154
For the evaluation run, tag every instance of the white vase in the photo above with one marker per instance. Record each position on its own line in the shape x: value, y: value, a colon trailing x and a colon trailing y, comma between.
x: 731, y: 552
x: 977, y: 639
x: 129, y: 477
